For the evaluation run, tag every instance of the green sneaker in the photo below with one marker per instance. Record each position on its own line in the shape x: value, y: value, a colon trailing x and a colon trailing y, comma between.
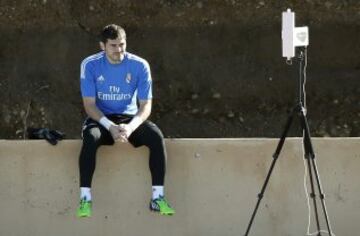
x: 84, y: 209
x: 160, y: 205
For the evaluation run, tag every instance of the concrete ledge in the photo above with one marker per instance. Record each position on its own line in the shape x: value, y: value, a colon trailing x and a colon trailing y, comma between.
x: 212, y: 183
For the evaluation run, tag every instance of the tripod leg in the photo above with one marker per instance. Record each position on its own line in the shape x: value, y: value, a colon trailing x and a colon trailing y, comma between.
x: 275, y: 157
x: 310, y: 156
x: 322, y: 196
x: 312, y: 194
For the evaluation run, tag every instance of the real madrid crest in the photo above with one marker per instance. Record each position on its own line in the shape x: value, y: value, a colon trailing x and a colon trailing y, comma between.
x: 128, y: 78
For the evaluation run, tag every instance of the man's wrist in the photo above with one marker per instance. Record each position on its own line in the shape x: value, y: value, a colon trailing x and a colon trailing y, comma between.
x: 135, y: 123
x: 104, y: 121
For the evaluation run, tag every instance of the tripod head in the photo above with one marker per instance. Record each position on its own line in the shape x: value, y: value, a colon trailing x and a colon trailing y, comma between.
x: 295, y: 38
x: 292, y: 36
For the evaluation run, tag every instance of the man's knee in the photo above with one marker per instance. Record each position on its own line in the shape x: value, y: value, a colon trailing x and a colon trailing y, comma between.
x: 148, y: 134
x: 154, y: 132
x: 91, y: 135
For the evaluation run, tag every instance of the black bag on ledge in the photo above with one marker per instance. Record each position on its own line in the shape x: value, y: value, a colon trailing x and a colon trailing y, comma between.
x: 52, y: 136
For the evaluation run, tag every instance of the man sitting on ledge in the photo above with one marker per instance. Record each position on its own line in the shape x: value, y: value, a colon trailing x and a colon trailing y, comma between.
x: 112, y: 82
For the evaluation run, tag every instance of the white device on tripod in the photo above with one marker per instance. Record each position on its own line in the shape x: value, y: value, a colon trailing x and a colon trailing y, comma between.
x: 292, y: 36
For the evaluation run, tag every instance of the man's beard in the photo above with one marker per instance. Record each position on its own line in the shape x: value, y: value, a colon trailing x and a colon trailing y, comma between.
x: 117, y: 57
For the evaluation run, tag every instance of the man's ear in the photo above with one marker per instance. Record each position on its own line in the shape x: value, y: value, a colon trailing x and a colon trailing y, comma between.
x: 102, y: 46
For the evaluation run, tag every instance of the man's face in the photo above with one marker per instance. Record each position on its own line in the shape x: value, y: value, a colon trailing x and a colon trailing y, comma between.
x: 114, y: 49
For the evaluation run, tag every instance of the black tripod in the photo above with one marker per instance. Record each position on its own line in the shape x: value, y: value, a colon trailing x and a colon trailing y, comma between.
x: 309, y: 155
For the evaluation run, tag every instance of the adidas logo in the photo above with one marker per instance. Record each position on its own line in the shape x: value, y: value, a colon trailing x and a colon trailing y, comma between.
x: 100, y: 79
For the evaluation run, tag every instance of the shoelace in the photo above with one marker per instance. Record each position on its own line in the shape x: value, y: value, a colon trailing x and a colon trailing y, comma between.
x: 82, y: 204
x: 162, y: 201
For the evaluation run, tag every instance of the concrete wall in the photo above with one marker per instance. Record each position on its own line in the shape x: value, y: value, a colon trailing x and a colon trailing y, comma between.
x: 212, y: 183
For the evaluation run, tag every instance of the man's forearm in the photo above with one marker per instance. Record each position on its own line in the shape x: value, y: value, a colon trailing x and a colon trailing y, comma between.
x: 143, y: 113
x: 94, y: 113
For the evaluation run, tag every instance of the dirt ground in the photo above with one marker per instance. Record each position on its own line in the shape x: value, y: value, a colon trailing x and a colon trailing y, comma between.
x: 216, y: 64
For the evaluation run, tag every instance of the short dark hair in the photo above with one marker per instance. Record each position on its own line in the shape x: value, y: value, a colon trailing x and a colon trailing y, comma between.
x: 112, y: 32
